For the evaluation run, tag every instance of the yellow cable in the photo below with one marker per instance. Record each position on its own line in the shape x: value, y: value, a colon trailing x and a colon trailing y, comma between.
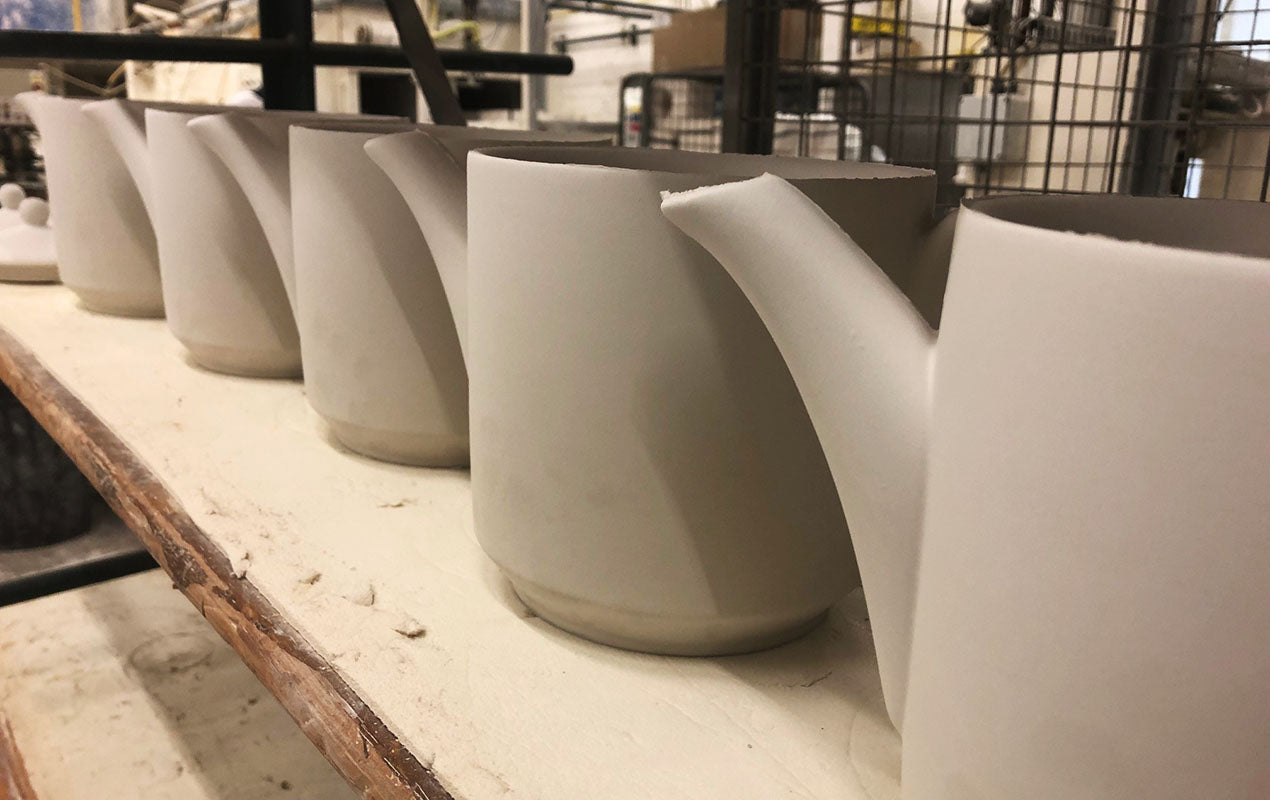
x: 467, y: 25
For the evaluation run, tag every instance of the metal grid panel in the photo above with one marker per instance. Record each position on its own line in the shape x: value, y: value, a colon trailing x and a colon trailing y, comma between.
x: 1153, y: 97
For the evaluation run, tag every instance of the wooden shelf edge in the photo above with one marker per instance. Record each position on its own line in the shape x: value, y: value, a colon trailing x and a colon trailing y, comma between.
x: 15, y: 784
x: 356, y: 742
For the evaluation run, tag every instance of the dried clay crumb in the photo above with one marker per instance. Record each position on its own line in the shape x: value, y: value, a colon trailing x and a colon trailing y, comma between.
x: 238, y: 565
x: 399, y: 504
x: 410, y: 628
x: 365, y: 597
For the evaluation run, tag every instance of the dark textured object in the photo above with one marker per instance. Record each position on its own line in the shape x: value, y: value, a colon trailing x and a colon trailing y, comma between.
x: 43, y: 496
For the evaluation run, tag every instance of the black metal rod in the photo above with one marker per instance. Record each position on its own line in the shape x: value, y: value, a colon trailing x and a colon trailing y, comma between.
x: 331, y: 54
x: 143, y: 47
x: 149, y: 47
x: 1158, y: 99
x: 586, y: 8
x: 429, y: 72
x: 74, y: 576
x: 632, y: 34
x: 289, y: 82
x: 600, y: 5
x: 751, y: 71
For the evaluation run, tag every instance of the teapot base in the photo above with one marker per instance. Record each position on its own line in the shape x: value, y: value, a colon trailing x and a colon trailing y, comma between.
x: 28, y: 273
x: 245, y: 363
x: 118, y: 304
x: 663, y: 635
x: 401, y: 447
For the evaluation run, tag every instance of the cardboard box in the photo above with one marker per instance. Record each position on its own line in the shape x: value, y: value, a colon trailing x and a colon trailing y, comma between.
x: 695, y: 39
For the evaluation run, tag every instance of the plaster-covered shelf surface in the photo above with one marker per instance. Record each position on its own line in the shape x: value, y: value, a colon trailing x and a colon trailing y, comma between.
x: 120, y: 690
x: 356, y: 592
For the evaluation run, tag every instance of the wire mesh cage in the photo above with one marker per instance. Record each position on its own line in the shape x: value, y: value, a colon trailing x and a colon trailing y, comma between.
x: 1149, y: 97
x: 684, y: 111
x: 674, y: 110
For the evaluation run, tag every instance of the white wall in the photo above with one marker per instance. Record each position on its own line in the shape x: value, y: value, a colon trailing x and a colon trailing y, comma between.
x: 590, y: 93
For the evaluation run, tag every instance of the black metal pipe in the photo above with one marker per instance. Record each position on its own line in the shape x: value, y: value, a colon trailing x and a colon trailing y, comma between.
x: 147, y: 47
x: 631, y: 34
x: 1152, y: 149
x: 587, y: 8
x: 751, y: 70
x: 143, y: 47
x: 421, y: 52
x: 288, y: 82
x: 332, y: 54
x: 74, y: 576
x: 600, y: 5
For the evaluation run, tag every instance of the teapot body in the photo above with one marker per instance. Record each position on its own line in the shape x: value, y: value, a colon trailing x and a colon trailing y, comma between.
x: 1092, y: 608
x: 224, y: 295
x: 643, y: 468
x: 105, y: 244
x: 382, y: 363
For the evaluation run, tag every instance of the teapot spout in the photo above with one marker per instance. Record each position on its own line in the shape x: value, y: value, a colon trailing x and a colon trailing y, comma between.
x: 433, y: 182
x: 861, y: 355
x: 257, y: 155
x: 124, y: 124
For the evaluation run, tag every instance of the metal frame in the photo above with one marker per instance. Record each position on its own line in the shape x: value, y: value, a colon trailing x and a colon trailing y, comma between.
x: 648, y: 118
x: 751, y: 67
x: 285, y: 50
x: 629, y: 35
x: 616, y: 8
x: 77, y: 566
x: 1161, y: 75
x: 288, y: 82
x: 1143, y: 97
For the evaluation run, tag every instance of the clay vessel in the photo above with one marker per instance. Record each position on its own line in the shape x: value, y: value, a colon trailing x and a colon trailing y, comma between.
x: 105, y: 244
x: 643, y: 469
x: 382, y: 361
x: 381, y: 358
x: 222, y: 289
x: 429, y: 168
x: 1059, y: 503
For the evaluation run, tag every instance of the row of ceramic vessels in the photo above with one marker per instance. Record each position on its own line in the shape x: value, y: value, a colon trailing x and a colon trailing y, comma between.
x: 1059, y: 509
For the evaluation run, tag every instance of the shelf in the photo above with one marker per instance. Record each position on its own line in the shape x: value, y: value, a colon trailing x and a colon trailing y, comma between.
x: 107, y: 550
x: 356, y: 592
x: 120, y: 690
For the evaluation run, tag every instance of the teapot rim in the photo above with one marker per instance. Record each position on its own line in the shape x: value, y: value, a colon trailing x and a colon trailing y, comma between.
x: 643, y: 161
x: 1193, y: 225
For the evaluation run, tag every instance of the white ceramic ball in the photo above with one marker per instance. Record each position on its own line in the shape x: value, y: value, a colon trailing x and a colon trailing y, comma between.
x: 34, y: 211
x: 11, y: 195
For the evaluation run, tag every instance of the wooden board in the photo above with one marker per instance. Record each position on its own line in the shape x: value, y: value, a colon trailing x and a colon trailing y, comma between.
x: 120, y: 690
x: 356, y: 592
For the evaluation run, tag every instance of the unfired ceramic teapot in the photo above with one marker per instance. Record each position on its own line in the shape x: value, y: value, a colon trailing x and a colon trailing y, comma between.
x: 381, y: 356
x: 1059, y: 505
x: 643, y: 469
x: 429, y: 168
x: 105, y: 243
x: 381, y: 361
x: 222, y: 289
